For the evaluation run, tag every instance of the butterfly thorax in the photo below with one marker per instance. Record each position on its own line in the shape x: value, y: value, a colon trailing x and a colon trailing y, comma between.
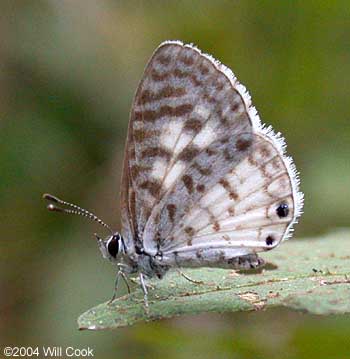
x: 150, y: 266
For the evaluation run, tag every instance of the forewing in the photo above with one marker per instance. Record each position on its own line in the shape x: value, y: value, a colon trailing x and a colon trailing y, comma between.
x: 185, y: 112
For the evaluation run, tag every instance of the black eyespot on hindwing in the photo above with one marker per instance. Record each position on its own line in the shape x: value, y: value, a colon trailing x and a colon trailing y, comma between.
x: 282, y: 210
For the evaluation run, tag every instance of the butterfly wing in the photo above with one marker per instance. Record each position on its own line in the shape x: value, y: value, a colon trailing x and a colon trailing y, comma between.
x: 202, y: 178
x: 250, y: 209
x: 237, y: 195
x: 186, y: 110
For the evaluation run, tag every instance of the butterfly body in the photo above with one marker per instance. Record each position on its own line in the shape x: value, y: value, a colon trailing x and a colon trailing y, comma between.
x: 157, y: 265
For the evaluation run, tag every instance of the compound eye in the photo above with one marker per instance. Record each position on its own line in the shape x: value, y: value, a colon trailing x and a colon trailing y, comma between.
x: 113, y: 246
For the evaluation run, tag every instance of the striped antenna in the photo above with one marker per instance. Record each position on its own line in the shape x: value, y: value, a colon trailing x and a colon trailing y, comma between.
x: 74, y: 209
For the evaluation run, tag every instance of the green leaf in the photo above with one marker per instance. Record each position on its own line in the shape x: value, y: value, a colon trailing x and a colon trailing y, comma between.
x: 312, y: 275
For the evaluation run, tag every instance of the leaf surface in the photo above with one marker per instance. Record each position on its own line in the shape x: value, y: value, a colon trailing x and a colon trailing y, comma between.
x: 311, y: 275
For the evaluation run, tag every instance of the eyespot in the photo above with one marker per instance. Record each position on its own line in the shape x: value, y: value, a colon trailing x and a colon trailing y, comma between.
x: 282, y: 210
x: 269, y: 240
x: 113, y: 246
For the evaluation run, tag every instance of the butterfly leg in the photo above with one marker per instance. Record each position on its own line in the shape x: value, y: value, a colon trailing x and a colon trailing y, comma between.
x: 122, y: 274
x: 119, y: 274
x: 145, y: 292
x: 137, y: 281
x: 115, y: 288
x: 188, y: 277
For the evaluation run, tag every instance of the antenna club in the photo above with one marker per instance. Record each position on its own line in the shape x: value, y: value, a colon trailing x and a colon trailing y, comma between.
x: 74, y: 209
x: 50, y: 197
x: 51, y: 207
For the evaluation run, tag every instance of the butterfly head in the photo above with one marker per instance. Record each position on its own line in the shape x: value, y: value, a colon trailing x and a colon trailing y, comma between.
x: 112, y: 247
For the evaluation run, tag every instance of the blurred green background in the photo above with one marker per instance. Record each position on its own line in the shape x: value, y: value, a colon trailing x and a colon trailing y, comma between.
x: 68, y: 72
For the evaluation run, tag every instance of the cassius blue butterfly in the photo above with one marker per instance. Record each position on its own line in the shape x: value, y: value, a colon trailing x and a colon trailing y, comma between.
x: 204, y: 182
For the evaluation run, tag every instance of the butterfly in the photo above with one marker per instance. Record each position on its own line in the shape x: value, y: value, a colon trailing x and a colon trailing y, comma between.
x: 204, y: 182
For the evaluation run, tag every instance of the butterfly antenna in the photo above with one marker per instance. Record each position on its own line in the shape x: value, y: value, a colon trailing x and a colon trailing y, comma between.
x: 74, y: 209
